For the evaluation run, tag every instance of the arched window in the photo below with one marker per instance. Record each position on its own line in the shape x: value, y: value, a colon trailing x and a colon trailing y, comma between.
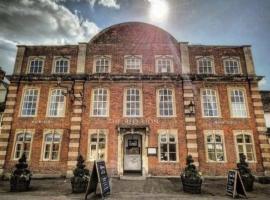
x: 205, y: 65
x: 52, y: 143
x: 102, y: 64
x: 100, y: 102
x: 232, y: 66
x: 209, y: 103
x: 57, y: 103
x: 245, y: 145
x: 35, y: 65
x: 23, y: 144
x: 97, y: 150
x: 164, y: 64
x: 132, y: 107
x: 61, y: 66
x: 215, y: 146
x: 166, y: 103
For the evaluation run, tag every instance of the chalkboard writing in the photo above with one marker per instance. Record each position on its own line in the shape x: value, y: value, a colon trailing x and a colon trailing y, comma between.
x: 99, y: 175
x: 235, y: 185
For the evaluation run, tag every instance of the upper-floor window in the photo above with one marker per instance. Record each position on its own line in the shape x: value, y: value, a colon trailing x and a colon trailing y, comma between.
x: 133, y: 64
x: 132, y: 103
x: 36, y: 65
x: 215, y: 146
x: 22, y: 144
x: 209, y: 103
x: 102, y: 64
x: 245, y: 145
x: 51, y: 146
x: 232, y: 66
x: 29, y: 104
x: 166, y: 102
x: 100, y: 102
x: 164, y: 64
x: 205, y: 65
x: 238, y: 103
x: 167, y: 146
x: 57, y: 103
x: 97, y: 144
x: 61, y: 65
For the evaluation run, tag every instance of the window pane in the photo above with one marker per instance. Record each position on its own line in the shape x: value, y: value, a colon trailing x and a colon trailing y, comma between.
x: 209, y: 103
x: 100, y: 102
x: 29, y: 102
x: 165, y: 102
x: 132, y: 102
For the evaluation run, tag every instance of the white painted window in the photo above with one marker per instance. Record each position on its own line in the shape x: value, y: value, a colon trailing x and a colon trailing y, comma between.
x: 133, y: 64
x: 215, y: 146
x: 205, y: 65
x: 22, y: 145
x: 238, y: 103
x: 245, y: 146
x: 52, y: 143
x: 210, y: 103
x: 61, y: 66
x: 132, y: 102
x: 100, y: 102
x: 29, y: 105
x: 168, y: 147
x: 102, y: 65
x: 232, y: 66
x: 164, y: 65
x: 97, y: 145
x: 36, y: 66
x: 166, y: 102
x: 57, y: 103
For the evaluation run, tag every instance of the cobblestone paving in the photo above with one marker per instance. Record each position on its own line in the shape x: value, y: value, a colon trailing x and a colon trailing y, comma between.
x: 152, y: 189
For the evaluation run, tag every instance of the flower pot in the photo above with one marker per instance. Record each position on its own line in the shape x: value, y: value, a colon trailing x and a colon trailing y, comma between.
x: 79, y: 184
x: 248, y: 181
x: 192, y: 186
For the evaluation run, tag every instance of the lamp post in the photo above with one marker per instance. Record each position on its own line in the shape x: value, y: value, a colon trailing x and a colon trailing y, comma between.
x: 191, y: 108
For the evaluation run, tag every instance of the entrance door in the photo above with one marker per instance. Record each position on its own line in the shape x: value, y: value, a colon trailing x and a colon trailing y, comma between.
x: 132, y: 153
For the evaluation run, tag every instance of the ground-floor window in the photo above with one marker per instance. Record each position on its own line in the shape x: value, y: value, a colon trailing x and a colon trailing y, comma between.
x: 245, y: 145
x: 215, y: 146
x: 167, y: 146
x: 51, y: 150
x: 22, y: 144
x: 97, y: 144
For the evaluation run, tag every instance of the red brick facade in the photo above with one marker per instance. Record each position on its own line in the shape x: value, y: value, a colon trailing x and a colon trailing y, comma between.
x: 148, y: 42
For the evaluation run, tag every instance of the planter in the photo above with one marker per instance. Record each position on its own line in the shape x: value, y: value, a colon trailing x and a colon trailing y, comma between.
x: 79, y: 184
x: 19, y: 184
x: 192, y: 186
x: 248, y: 182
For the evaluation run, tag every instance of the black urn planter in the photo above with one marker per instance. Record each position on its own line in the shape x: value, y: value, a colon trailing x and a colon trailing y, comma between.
x: 245, y: 173
x: 191, y: 179
x: 81, y: 176
x: 21, y: 177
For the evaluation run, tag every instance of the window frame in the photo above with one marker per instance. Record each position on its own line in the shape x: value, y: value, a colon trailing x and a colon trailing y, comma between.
x: 232, y: 58
x: 214, y: 132
x: 22, y: 101
x: 173, y: 103
x: 33, y: 58
x: 168, y: 132
x: 58, y: 58
x: 244, y: 132
x: 167, y: 57
x: 97, y: 131
x: 217, y: 99
x: 50, y: 100
x: 229, y: 89
x: 208, y: 58
x: 140, y: 103
x: 96, y: 58
x: 46, y: 132
x: 126, y: 57
x: 92, y: 102
x: 20, y: 131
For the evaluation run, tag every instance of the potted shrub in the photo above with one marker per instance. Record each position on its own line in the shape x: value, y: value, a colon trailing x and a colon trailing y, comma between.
x: 81, y: 176
x: 245, y: 173
x: 21, y: 177
x: 191, y: 179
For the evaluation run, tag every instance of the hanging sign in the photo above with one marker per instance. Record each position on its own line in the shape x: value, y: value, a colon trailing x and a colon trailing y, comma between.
x: 235, y: 187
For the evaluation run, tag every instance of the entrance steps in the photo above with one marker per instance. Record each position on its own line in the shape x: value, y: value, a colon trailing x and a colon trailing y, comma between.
x: 133, y: 177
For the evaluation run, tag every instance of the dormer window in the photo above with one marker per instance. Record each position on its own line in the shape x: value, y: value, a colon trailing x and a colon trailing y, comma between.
x: 61, y: 65
x: 232, y: 66
x: 205, y: 65
x: 36, y: 65
x: 164, y: 64
x: 102, y: 64
x: 133, y: 64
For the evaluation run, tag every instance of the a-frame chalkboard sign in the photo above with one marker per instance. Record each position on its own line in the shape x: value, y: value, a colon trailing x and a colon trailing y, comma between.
x: 100, y: 177
x: 235, y: 187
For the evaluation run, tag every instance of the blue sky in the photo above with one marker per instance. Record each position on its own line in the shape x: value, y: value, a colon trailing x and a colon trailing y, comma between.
x: 224, y: 22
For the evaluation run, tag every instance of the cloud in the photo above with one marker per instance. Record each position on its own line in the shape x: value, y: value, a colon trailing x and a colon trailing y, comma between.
x: 39, y: 22
x: 105, y: 3
x: 262, y: 83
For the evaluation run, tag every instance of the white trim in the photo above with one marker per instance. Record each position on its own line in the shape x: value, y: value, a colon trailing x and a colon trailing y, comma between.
x: 32, y: 58
x: 140, y: 103
x: 173, y: 102
x: 22, y: 100
x: 232, y: 58
x: 107, y: 102
x: 164, y: 57
x: 208, y: 58
x: 126, y: 57
x: 49, y: 103
x: 57, y: 58
x: 217, y: 102
x: 96, y: 57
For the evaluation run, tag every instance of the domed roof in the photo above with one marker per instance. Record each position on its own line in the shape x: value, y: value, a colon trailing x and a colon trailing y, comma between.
x: 133, y: 32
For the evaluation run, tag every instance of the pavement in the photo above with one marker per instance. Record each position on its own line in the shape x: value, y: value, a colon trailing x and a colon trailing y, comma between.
x: 149, y: 189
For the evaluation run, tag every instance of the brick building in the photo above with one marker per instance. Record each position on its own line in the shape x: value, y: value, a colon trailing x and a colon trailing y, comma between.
x: 137, y: 98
